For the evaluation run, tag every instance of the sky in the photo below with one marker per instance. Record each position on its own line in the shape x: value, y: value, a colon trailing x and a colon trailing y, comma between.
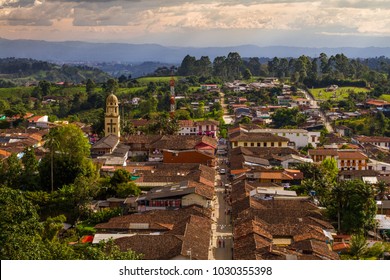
x: 198, y: 23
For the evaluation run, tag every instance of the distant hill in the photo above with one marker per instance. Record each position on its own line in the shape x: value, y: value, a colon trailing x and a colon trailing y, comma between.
x: 72, y: 51
x: 26, y: 70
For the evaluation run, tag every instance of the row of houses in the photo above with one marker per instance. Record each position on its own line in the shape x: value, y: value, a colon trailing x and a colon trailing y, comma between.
x: 156, y: 148
x: 186, y: 127
x: 279, y: 229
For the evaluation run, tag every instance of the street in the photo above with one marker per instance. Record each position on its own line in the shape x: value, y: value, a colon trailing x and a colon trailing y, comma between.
x: 222, y: 243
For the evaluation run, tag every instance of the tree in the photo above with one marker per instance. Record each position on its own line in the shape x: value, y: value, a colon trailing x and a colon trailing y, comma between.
x: 187, y: 66
x: 200, y: 110
x: 358, y: 246
x: 68, y: 157
x: 4, y: 105
x: 110, y: 86
x: 12, y: 168
x: 352, y: 204
x: 90, y: 87
x: 247, y: 74
x: 381, y: 189
x: 24, y: 237
x: 233, y: 64
x: 30, y: 173
x: 124, y: 190
x: 330, y: 169
x: 287, y: 117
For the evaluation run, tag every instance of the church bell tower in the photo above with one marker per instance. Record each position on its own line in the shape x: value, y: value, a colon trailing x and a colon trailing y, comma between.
x: 112, y: 118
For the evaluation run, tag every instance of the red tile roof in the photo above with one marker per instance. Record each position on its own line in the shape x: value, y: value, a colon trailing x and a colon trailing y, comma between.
x: 373, y: 139
x: 351, y: 155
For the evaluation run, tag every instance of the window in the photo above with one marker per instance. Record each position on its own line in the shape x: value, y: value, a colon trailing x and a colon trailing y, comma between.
x: 264, y: 144
x: 272, y: 144
x: 258, y: 144
x: 252, y: 144
x: 280, y: 144
x: 383, y: 168
x: 245, y: 144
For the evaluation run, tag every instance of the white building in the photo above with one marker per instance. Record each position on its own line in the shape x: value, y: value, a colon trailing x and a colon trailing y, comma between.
x: 39, y: 121
x: 301, y: 137
x: 379, y: 141
x: 382, y: 167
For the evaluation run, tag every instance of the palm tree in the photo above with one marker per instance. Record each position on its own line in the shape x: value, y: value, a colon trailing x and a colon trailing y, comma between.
x: 381, y: 190
x: 358, y: 246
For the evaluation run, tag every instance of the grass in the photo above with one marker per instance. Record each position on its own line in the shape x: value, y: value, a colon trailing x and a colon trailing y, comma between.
x: 385, y: 97
x: 15, y: 91
x: 146, y: 80
x: 340, y: 94
x: 125, y: 91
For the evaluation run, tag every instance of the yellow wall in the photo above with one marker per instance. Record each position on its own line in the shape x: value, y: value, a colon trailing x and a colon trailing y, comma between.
x: 268, y: 144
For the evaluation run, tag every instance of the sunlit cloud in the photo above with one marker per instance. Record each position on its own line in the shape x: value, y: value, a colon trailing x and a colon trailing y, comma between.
x: 136, y: 20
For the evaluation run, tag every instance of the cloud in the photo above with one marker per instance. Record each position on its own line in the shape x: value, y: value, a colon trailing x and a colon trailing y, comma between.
x: 34, y: 14
x: 156, y: 20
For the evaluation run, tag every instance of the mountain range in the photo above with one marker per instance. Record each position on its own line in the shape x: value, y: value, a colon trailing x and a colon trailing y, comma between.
x: 75, y: 51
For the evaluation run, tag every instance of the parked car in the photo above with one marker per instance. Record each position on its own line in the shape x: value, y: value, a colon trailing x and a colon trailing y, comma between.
x: 222, y: 171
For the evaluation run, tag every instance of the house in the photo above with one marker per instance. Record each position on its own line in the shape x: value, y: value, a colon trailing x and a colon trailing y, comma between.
x: 343, y: 131
x: 379, y: 105
x: 38, y: 121
x: 181, y: 143
x: 187, y: 127
x: 351, y: 160
x: 139, y: 124
x: 140, y: 145
x: 302, y: 101
x: 15, y: 140
x: 381, y: 167
x: 161, y: 174
x: 207, y: 127
x: 188, y: 241
x: 248, y: 157
x: 358, y: 174
x: 379, y: 141
x: 177, y: 195
x: 266, y: 193
x: 110, y: 151
x: 281, y: 177
x: 246, y: 139
x: 279, y: 229
x: 318, y: 155
x: 299, y: 137
x: 209, y: 87
x: 105, y: 145
x: 346, y: 159
x: 332, y: 88
x: 291, y: 161
x: 188, y: 156
x: 161, y: 234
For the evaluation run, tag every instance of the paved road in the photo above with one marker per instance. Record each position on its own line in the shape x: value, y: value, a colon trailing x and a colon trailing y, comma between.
x: 221, y: 245
x: 327, y: 124
x: 228, y: 119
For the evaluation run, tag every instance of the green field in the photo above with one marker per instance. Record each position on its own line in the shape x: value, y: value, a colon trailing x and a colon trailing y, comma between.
x: 385, y: 97
x: 125, y: 91
x: 340, y: 94
x: 16, y: 92
x: 146, y: 80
